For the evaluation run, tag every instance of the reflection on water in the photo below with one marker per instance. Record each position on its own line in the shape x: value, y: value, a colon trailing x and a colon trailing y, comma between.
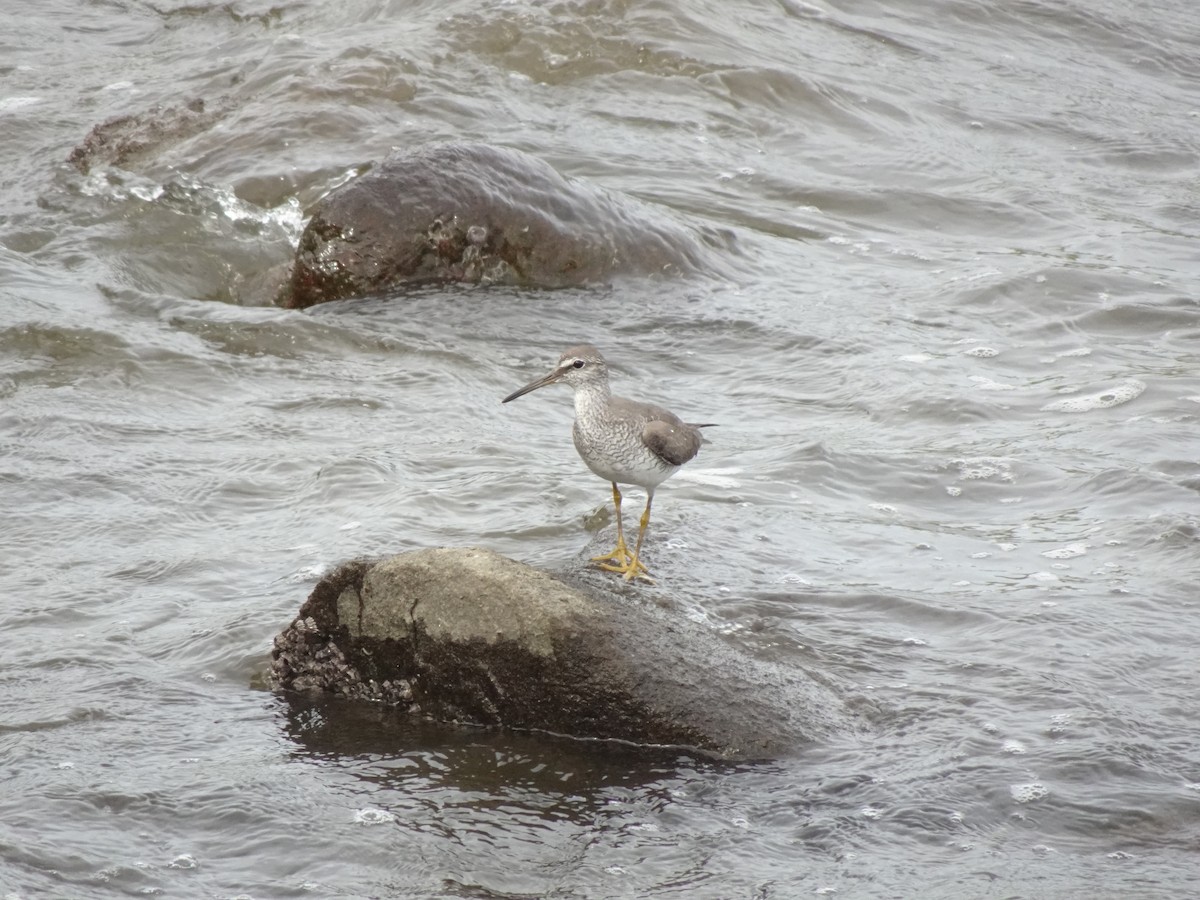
x: 956, y: 468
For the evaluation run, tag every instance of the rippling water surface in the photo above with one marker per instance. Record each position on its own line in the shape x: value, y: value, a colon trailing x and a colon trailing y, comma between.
x: 955, y: 367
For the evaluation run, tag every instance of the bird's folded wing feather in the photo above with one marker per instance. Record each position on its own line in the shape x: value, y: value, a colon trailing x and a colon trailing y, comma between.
x: 674, y: 444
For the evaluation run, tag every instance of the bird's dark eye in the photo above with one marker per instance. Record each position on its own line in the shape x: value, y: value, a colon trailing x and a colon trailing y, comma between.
x: 578, y: 364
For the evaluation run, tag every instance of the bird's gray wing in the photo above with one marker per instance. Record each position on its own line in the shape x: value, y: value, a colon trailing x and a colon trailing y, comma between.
x: 672, y: 442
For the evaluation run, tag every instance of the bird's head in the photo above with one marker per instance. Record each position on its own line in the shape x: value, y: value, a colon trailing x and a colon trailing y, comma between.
x: 580, y: 366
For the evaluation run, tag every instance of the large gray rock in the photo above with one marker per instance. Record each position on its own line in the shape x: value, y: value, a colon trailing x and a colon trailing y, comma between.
x: 478, y: 213
x: 467, y: 635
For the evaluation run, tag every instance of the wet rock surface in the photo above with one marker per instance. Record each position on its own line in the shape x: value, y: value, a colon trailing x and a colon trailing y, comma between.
x: 467, y: 635
x: 482, y: 214
x: 123, y: 140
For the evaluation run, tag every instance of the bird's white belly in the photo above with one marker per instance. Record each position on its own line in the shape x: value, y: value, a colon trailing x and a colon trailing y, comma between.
x: 643, y: 469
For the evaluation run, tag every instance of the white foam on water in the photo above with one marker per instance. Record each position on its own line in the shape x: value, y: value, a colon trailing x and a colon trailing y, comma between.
x: 1068, y: 552
x: 987, y: 384
x: 371, y: 816
x: 984, y: 467
x: 1103, y: 399
x: 713, y: 477
x: 1027, y: 793
x: 8, y: 104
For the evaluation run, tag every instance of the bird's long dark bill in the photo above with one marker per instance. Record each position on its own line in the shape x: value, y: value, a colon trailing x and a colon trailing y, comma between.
x: 534, y: 385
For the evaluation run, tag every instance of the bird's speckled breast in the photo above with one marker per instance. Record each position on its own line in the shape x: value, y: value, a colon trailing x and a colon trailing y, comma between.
x: 612, y: 446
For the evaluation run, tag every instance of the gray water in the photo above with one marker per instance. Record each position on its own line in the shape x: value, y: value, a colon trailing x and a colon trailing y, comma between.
x: 955, y: 366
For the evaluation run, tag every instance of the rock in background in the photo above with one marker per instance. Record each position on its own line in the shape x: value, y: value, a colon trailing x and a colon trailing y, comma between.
x: 482, y: 214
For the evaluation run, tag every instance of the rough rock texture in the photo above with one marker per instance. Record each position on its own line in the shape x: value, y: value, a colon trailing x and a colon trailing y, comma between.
x: 125, y: 139
x: 467, y: 635
x: 477, y: 213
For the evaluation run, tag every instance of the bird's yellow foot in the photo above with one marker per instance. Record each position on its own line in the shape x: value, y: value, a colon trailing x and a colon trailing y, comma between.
x: 619, y: 560
x: 631, y: 568
x: 620, y: 555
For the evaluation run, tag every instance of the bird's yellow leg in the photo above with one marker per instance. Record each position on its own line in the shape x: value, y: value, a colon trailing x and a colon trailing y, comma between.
x: 620, y: 554
x: 635, y: 569
x: 632, y: 567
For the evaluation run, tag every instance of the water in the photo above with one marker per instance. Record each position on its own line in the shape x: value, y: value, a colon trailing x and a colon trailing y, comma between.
x: 957, y: 383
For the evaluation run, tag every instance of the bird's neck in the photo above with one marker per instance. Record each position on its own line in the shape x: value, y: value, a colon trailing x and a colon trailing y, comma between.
x: 591, y: 399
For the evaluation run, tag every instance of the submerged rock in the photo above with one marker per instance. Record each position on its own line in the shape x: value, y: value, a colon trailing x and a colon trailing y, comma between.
x: 483, y: 214
x: 467, y: 635
x: 122, y: 140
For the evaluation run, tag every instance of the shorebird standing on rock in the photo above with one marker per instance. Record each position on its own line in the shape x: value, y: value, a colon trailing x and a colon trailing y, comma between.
x: 623, y: 441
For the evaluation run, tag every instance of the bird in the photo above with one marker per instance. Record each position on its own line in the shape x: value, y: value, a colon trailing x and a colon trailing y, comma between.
x: 626, y: 442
